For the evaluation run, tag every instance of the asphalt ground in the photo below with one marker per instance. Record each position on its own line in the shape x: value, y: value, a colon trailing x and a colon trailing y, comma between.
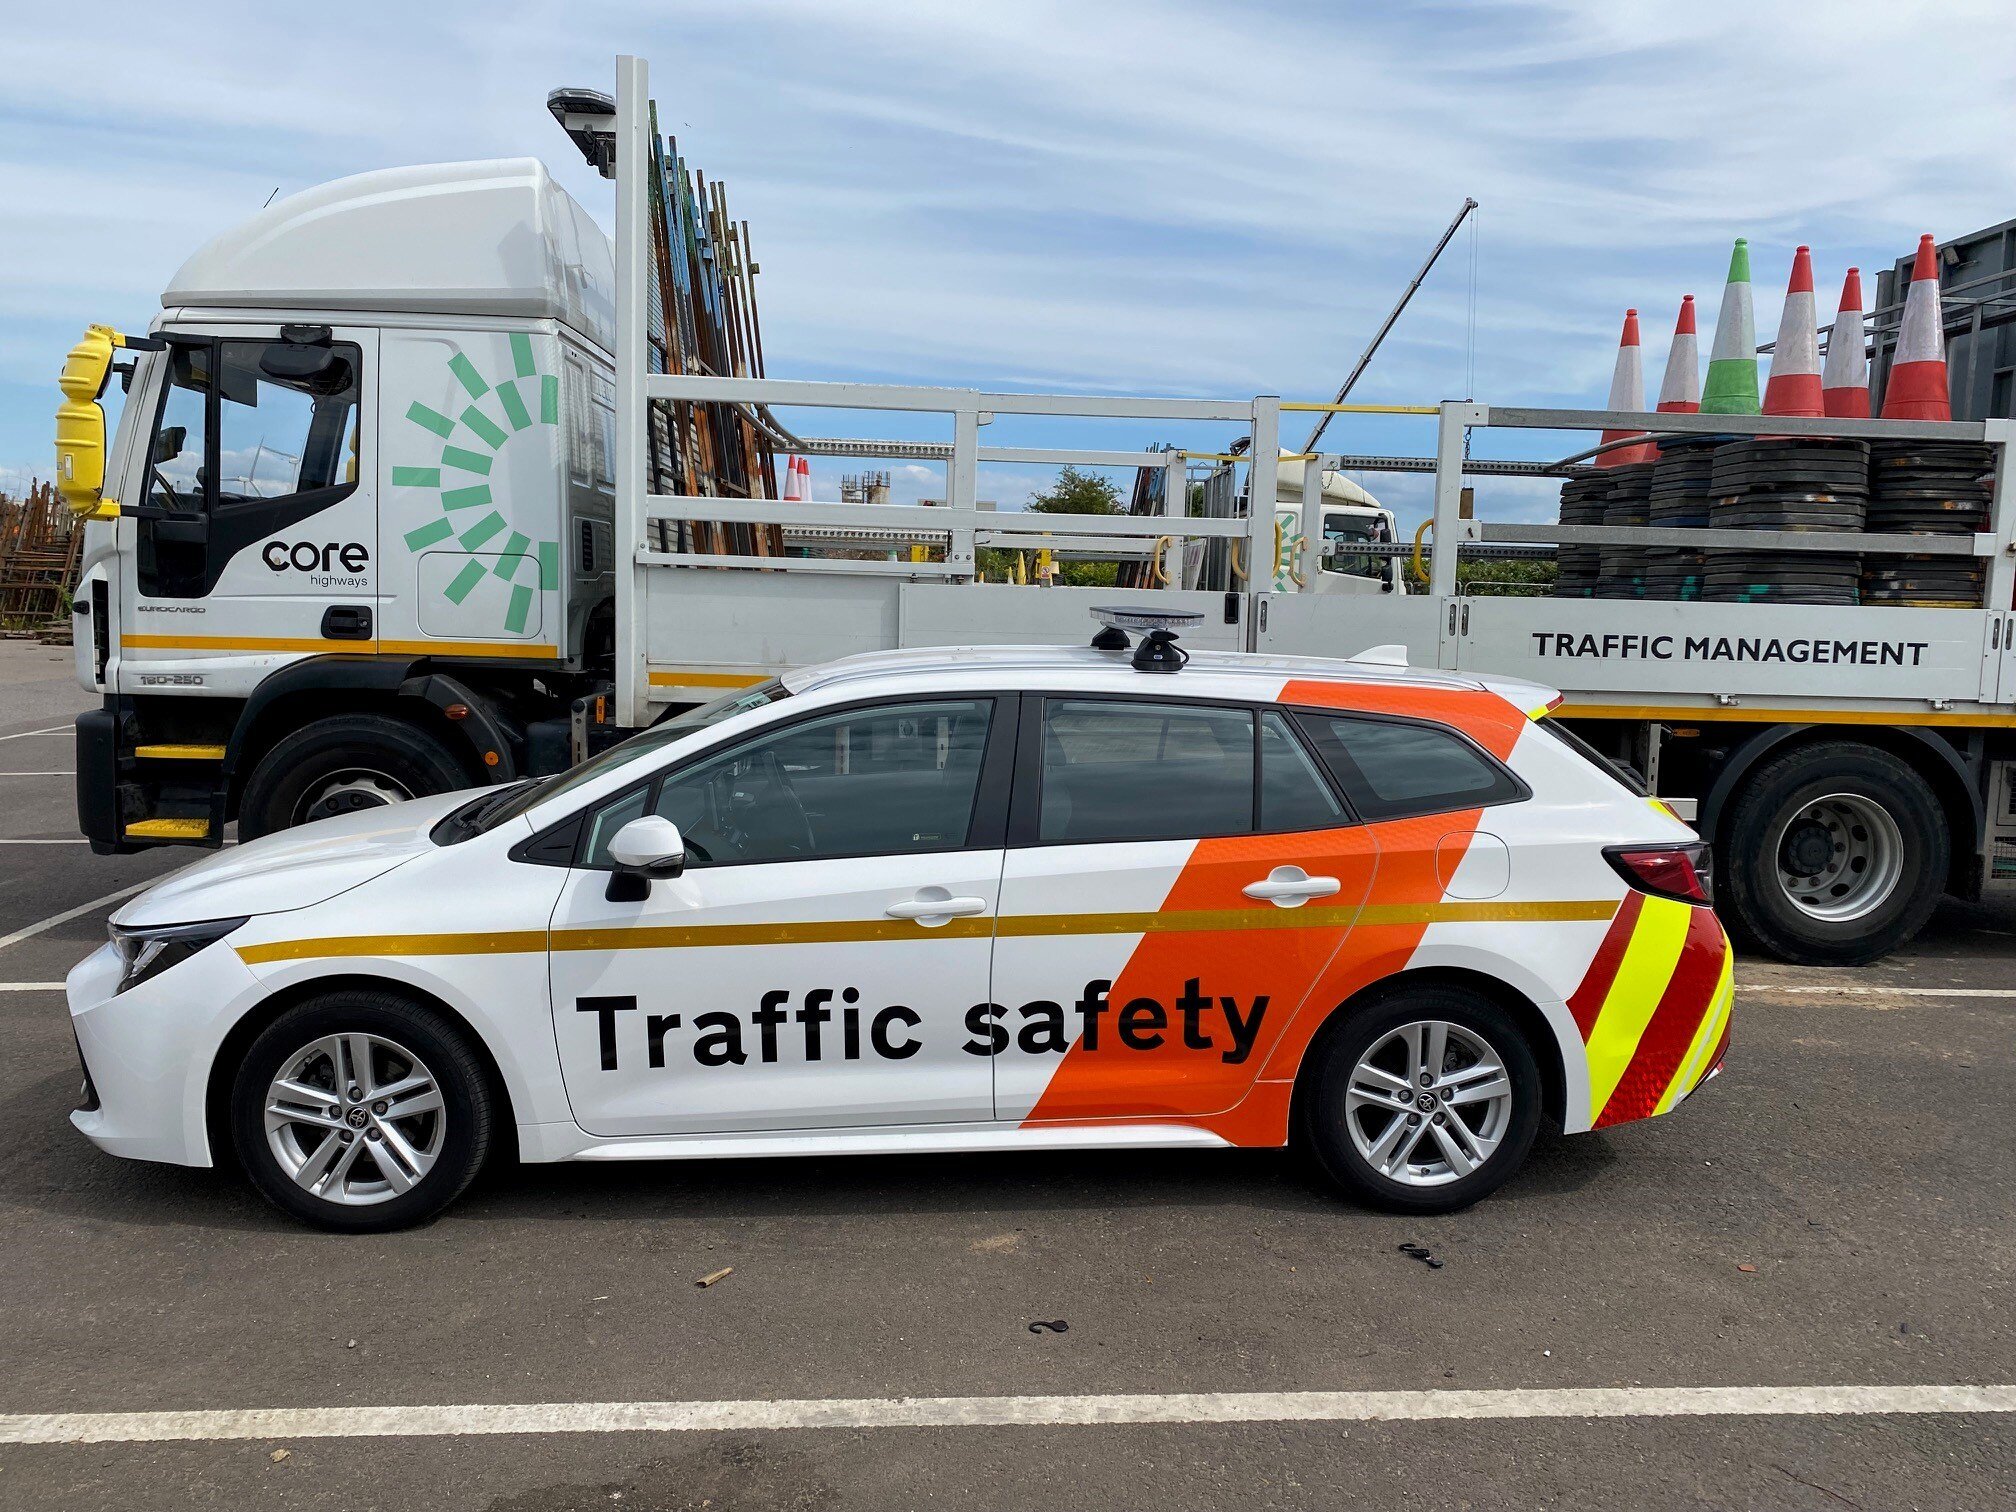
x: 1833, y: 1211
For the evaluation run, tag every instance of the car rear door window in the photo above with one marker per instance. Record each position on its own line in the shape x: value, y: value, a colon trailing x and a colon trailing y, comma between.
x: 1391, y: 768
x: 1144, y: 770
x: 1293, y: 793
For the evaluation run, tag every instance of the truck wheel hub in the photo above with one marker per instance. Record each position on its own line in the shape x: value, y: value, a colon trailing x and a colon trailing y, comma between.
x: 346, y: 792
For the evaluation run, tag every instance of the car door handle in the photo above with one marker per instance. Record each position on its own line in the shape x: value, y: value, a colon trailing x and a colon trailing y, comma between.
x: 1291, y: 887
x: 935, y: 905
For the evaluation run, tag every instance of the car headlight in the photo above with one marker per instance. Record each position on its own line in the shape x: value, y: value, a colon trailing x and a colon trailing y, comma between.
x: 148, y: 951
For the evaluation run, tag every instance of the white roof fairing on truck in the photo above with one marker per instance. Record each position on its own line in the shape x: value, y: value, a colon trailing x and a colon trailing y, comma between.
x: 483, y: 238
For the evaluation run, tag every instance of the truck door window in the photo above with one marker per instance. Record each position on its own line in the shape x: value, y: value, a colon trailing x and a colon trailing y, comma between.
x: 253, y: 436
x: 1343, y: 535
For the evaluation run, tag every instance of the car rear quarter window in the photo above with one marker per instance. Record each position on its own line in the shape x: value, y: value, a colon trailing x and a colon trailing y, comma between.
x: 1392, y: 768
x: 1143, y: 770
x: 1293, y: 793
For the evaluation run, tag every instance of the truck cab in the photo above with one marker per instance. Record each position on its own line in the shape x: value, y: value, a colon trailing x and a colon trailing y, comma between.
x: 352, y: 541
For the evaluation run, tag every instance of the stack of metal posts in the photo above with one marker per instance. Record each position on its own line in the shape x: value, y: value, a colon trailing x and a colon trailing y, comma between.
x: 1927, y: 488
x: 702, y: 286
x: 1787, y: 485
x: 1679, y: 501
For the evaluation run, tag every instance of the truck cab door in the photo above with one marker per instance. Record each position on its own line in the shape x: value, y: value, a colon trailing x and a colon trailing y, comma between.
x: 254, y: 535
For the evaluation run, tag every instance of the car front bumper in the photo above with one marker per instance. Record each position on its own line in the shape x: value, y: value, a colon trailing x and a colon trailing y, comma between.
x: 147, y: 1052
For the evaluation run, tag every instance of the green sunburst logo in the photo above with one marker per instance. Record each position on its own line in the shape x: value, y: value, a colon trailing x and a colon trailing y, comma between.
x: 468, y: 514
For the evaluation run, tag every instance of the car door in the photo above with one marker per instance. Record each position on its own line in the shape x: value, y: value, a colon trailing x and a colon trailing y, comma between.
x: 815, y: 963
x: 1179, y: 875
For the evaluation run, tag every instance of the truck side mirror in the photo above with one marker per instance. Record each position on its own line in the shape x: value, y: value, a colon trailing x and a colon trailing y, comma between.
x: 168, y: 445
x: 640, y: 852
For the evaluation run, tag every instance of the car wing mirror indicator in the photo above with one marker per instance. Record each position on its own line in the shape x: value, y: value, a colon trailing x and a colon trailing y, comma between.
x: 641, y: 852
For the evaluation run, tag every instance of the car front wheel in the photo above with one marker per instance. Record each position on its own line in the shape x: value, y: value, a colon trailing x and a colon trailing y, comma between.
x: 360, y: 1112
x: 1425, y: 1102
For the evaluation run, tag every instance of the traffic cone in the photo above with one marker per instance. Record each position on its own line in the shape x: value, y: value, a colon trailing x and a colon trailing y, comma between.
x: 1794, y: 388
x: 1844, y: 384
x: 791, y: 494
x: 1680, y: 392
x: 1916, y: 388
x: 1627, y: 392
x: 1732, y: 361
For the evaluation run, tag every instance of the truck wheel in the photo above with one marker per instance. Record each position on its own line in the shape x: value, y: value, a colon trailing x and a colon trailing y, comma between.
x: 360, y: 1112
x: 1833, y: 855
x: 1425, y: 1102
x: 338, y: 766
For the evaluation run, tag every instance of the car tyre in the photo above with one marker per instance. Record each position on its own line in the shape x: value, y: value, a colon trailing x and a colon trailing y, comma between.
x: 1831, y: 807
x: 343, y: 1157
x: 1356, y: 1137
x: 340, y: 765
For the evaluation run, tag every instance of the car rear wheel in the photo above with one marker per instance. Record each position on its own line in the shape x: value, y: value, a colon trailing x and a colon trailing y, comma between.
x: 1424, y: 1102
x: 1834, y: 854
x: 360, y: 1112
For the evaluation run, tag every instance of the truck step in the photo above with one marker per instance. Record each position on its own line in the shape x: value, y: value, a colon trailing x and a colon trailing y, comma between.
x: 179, y: 752
x: 167, y: 829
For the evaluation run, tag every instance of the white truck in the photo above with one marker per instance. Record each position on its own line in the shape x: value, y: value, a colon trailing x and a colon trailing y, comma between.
x: 375, y: 524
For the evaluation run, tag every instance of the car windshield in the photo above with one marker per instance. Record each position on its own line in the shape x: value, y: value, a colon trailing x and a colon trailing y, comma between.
x: 494, y: 808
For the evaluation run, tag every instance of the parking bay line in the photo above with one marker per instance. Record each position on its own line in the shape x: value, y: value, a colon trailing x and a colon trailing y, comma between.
x: 1818, y: 990
x: 998, y: 1411
x: 31, y: 930
x: 51, y: 730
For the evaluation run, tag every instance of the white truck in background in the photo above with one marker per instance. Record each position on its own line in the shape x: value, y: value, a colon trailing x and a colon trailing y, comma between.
x: 375, y: 524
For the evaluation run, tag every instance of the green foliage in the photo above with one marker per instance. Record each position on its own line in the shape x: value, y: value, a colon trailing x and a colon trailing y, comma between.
x: 1074, y: 492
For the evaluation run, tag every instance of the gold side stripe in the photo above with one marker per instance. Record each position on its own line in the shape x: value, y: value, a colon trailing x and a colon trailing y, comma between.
x: 173, y: 752
x: 861, y: 931
x: 1760, y: 715
x: 515, y: 649
x: 703, y: 679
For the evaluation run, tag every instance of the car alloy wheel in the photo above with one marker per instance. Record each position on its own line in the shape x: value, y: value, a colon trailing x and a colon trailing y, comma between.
x: 1428, y: 1103
x: 355, y: 1119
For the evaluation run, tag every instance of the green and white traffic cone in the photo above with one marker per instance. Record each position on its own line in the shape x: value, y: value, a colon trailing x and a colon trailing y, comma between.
x: 1731, y: 388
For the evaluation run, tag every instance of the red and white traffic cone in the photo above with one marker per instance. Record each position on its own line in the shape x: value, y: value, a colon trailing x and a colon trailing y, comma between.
x: 791, y: 494
x: 1680, y: 390
x: 1794, y: 387
x: 1844, y: 382
x: 1917, y: 388
x: 1627, y: 392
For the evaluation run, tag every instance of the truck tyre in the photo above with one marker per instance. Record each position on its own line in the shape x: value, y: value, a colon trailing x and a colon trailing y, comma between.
x: 360, y: 1112
x: 1832, y: 855
x: 1423, y: 1102
x: 338, y: 766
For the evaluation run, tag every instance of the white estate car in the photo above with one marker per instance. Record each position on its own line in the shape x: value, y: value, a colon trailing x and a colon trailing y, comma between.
x: 1001, y: 899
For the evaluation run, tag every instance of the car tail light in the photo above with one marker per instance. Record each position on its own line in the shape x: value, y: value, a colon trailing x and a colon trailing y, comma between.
x: 1667, y: 871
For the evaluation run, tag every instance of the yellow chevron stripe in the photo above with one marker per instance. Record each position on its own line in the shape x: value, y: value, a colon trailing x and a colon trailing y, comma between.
x: 1633, y: 997
x: 857, y: 931
x: 1695, y: 1062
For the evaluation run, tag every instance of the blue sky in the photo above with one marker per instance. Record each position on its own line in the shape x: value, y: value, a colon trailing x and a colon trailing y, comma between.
x: 1133, y: 197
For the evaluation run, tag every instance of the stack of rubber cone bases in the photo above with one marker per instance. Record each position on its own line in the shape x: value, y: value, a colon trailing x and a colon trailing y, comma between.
x: 1732, y: 361
x: 1627, y: 392
x: 1844, y: 382
x: 1794, y: 388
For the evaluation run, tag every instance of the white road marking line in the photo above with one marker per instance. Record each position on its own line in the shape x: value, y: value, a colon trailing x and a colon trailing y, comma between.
x: 32, y: 986
x: 998, y: 1411
x: 45, y: 842
x: 1933, y: 992
x: 68, y: 914
x: 51, y: 730
x: 38, y: 774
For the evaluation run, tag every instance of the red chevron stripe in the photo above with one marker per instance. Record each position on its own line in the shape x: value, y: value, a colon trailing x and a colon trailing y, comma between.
x: 1587, y: 1001
x: 1664, y: 1044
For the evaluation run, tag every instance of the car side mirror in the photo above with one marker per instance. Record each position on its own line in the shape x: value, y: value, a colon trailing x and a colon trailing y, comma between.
x: 640, y: 852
